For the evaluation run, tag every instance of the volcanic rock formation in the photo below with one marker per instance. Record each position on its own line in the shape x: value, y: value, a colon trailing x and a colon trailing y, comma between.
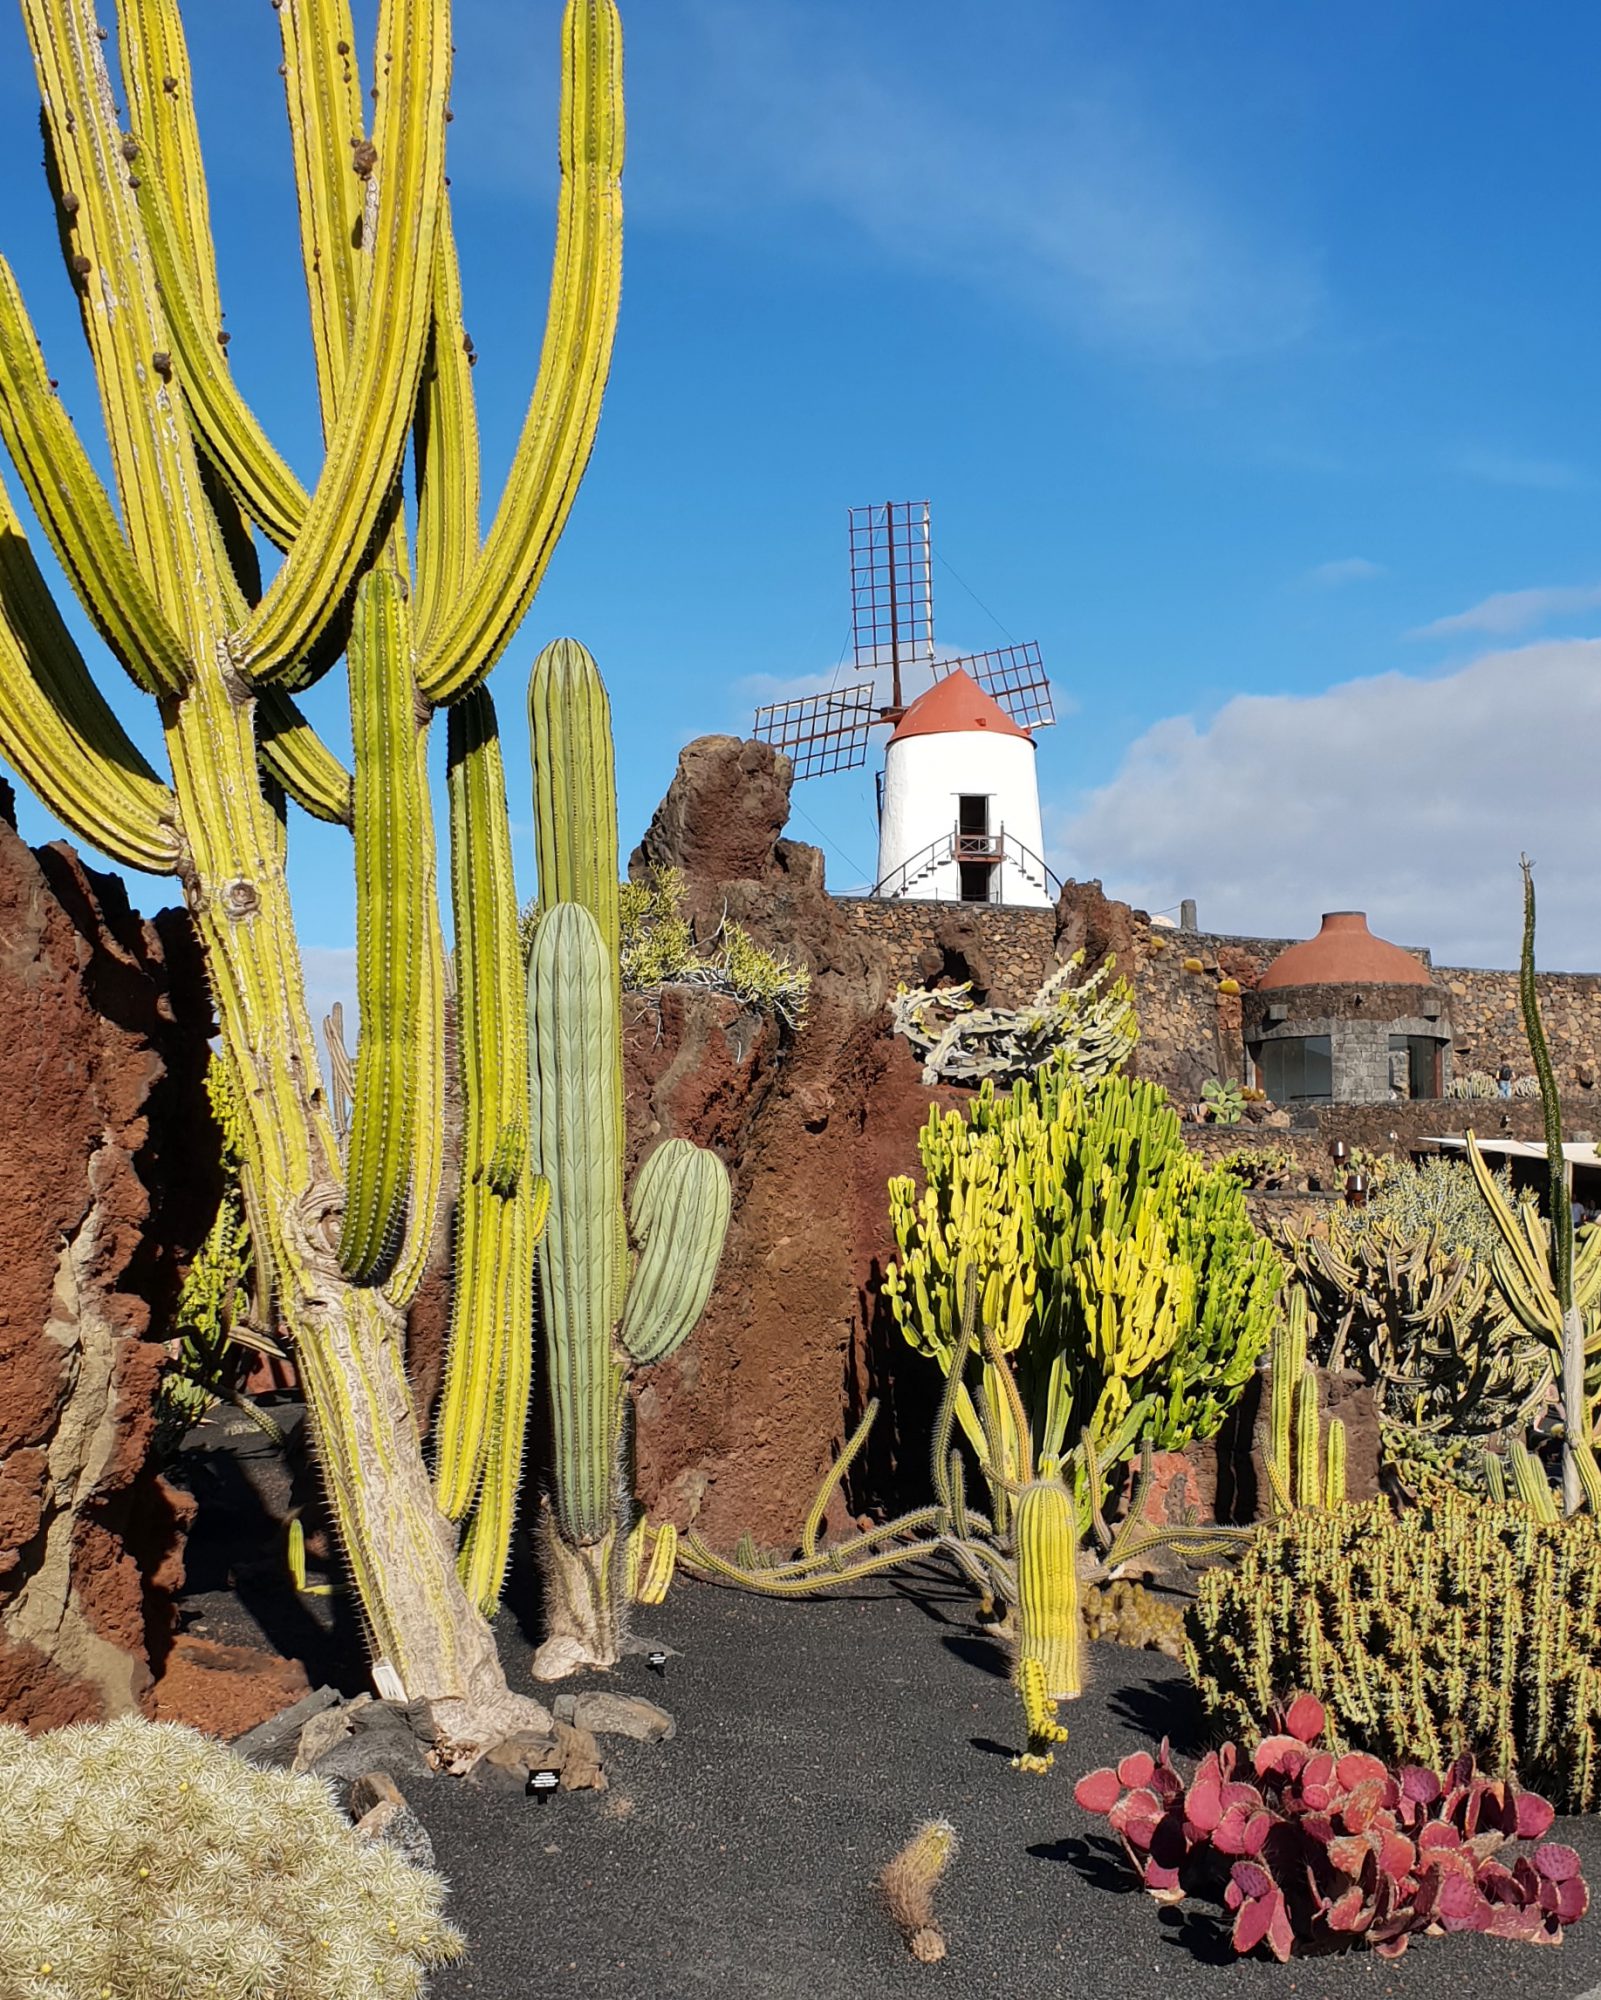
x: 103, y: 1184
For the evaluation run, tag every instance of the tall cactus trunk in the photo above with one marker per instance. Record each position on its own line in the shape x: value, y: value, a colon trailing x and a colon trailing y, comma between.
x: 348, y: 1339
x: 585, y: 1600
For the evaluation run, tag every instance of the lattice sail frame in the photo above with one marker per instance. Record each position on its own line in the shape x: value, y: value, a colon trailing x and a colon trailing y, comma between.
x: 1014, y: 676
x: 892, y: 585
x: 821, y: 733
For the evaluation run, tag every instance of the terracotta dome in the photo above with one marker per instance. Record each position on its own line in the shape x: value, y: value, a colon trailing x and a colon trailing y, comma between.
x: 953, y: 704
x: 1344, y: 953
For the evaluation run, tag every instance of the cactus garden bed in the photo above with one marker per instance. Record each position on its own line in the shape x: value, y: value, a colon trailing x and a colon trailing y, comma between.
x: 739, y: 1858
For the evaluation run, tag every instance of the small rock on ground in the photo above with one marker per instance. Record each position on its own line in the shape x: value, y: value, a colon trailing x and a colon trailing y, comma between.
x: 605, y: 1714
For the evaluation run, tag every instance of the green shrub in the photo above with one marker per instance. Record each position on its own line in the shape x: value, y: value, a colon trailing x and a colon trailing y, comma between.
x: 1439, y: 1195
x: 1457, y: 1626
x: 145, y: 1862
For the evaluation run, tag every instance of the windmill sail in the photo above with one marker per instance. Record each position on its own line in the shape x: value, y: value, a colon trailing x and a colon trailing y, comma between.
x: 892, y: 589
x: 820, y: 733
x: 892, y: 629
x: 1014, y: 676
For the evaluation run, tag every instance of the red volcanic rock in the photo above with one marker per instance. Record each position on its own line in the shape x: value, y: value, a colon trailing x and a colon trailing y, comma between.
x: 105, y: 1182
x: 738, y: 1427
x: 1088, y: 920
x: 224, y: 1690
x: 723, y: 814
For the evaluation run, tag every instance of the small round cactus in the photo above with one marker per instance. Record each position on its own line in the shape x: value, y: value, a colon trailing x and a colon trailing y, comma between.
x: 144, y: 1860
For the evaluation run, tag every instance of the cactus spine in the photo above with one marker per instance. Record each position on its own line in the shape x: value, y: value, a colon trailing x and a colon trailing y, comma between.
x: 164, y: 566
x: 603, y: 1314
x: 1049, y: 1628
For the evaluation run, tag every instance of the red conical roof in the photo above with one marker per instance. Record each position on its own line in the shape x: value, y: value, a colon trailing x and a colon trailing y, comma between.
x: 1344, y: 953
x: 956, y: 703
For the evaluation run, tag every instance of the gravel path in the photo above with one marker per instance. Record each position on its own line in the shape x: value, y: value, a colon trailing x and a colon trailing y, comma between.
x: 737, y: 1859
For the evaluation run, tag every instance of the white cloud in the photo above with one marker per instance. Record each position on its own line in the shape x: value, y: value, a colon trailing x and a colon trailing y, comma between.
x: 1345, y: 569
x: 1543, y: 475
x: 1075, y: 206
x: 1409, y: 798
x: 330, y: 972
x: 1508, y: 612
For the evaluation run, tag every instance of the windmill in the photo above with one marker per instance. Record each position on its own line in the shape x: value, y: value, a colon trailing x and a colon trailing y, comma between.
x: 985, y: 847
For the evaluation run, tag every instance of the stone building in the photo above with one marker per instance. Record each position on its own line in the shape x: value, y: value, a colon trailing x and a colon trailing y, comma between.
x: 1347, y: 1018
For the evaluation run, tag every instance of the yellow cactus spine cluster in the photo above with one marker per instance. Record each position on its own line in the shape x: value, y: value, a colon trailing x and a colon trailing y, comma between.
x: 1049, y: 1627
x: 1459, y: 1624
x: 1050, y: 1634
x: 1039, y: 1719
x: 163, y: 560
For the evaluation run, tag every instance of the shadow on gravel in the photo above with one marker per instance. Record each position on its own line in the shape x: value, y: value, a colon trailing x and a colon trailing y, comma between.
x: 974, y: 1650
x: 1201, y: 1934
x: 1096, y: 1860
x: 990, y: 1748
x: 1158, y: 1708
x: 236, y: 1559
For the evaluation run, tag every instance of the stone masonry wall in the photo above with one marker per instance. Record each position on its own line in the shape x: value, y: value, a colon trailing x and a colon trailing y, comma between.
x: 1008, y: 951
x: 1487, y: 1028
x: 1188, y: 985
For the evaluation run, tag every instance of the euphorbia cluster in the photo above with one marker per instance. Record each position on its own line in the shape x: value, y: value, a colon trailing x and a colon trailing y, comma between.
x: 1311, y: 1851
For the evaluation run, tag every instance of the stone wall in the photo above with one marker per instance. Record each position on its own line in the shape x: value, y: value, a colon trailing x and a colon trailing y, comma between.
x: 1487, y: 1027
x: 1007, y: 951
x: 1191, y: 1026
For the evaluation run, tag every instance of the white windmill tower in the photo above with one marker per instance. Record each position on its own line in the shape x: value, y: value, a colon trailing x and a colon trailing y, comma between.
x: 958, y: 797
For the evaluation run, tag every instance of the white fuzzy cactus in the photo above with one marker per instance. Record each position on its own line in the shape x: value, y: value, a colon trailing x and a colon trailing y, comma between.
x: 143, y: 1861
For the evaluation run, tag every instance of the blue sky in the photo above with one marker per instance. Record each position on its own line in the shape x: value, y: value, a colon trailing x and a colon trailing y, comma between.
x: 1246, y: 353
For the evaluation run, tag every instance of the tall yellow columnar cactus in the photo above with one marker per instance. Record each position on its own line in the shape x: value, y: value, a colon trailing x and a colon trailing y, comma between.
x: 165, y: 564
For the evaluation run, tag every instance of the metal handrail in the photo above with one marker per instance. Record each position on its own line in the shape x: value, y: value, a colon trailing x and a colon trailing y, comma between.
x: 994, y: 848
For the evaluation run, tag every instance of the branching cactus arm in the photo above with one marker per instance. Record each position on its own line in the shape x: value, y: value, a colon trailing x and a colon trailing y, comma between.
x: 169, y: 577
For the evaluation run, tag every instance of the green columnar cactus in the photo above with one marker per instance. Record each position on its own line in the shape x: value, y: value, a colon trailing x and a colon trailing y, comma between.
x: 603, y: 1313
x: 1305, y: 1462
x: 1050, y: 1633
x: 164, y: 563
x: 501, y: 1208
x: 1459, y: 1625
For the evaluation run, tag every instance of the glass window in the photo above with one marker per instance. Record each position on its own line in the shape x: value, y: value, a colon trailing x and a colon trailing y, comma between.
x: 1422, y: 1054
x: 1298, y: 1069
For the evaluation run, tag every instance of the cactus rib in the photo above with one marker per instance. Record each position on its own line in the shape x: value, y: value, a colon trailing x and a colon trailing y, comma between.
x: 493, y: 1299
x: 75, y: 510
x: 58, y: 730
x: 678, y: 1215
x: 301, y: 762
x: 564, y: 410
x: 356, y: 486
x: 389, y: 923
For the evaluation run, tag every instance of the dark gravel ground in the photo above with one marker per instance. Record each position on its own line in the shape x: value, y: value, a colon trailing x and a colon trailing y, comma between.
x: 738, y: 1858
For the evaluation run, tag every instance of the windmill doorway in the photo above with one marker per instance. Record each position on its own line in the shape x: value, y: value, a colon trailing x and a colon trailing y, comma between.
x: 975, y: 846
